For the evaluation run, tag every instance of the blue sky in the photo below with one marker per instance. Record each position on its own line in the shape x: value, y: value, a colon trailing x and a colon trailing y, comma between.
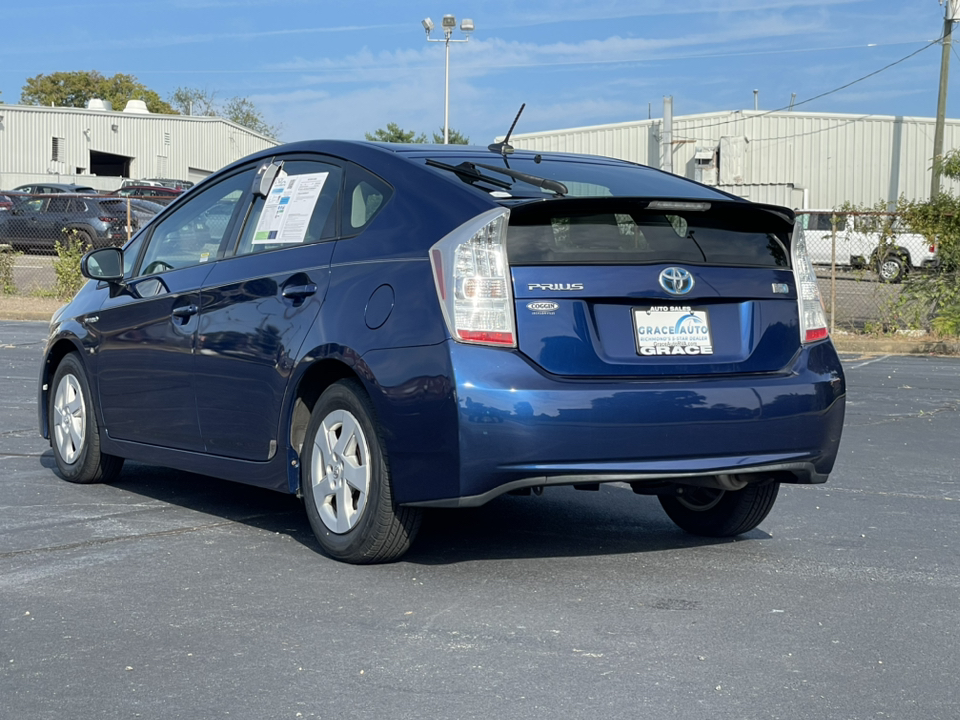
x: 339, y: 69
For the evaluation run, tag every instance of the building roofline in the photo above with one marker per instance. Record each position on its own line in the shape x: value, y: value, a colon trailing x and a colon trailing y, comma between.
x: 745, y: 115
x: 57, y: 109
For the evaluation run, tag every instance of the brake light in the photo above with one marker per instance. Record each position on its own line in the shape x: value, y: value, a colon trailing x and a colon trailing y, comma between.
x: 473, y: 283
x: 813, y: 320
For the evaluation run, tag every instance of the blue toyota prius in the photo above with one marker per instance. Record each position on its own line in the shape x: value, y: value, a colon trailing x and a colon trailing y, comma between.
x: 385, y: 328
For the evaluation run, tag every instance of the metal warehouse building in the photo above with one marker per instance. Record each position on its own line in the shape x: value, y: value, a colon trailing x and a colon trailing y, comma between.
x: 98, y: 147
x: 801, y: 160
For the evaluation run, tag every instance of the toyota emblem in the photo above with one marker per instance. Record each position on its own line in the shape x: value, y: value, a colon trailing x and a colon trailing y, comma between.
x: 676, y: 281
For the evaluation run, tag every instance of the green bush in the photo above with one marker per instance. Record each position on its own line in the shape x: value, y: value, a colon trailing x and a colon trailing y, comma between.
x: 66, y: 266
x: 7, y: 259
x: 936, y: 295
x: 928, y: 301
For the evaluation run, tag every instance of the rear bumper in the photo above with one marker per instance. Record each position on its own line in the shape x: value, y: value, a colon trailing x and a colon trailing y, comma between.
x: 519, y: 427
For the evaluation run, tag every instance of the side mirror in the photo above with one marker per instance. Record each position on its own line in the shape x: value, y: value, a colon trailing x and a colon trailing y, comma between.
x: 103, y: 264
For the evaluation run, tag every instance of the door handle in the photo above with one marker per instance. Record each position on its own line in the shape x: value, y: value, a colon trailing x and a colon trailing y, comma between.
x: 298, y: 292
x: 185, y: 311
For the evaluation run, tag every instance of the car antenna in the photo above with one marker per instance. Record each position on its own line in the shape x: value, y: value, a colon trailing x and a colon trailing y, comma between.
x: 504, y: 147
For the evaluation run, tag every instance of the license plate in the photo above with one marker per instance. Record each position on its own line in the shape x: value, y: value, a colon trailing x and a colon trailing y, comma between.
x: 668, y: 330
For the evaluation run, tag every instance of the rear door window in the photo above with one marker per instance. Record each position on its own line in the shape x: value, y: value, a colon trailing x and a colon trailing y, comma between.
x: 315, y: 187
x: 59, y: 205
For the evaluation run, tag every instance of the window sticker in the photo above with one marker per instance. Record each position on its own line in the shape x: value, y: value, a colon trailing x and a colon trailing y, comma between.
x: 288, y: 209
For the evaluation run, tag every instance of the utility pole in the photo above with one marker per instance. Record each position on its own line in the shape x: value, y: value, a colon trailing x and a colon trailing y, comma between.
x: 951, y: 13
x: 666, y: 136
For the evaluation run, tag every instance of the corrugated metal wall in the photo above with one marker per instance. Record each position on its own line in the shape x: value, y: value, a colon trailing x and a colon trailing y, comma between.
x: 158, y: 145
x: 827, y: 158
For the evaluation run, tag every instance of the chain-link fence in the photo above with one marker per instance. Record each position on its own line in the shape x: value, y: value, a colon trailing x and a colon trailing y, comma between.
x: 32, y: 227
x: 862, y: 260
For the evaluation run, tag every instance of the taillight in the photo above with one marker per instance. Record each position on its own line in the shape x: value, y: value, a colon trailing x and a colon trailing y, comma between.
x: 473, y: 281
x: 813, y: 320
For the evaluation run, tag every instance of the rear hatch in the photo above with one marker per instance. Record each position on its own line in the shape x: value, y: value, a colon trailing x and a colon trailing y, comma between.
x: 634, y: 287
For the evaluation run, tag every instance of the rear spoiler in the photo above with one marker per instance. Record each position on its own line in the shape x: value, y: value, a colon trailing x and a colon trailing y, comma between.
x: 749, y: 215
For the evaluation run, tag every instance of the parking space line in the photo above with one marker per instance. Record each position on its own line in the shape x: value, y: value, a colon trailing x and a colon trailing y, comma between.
x: 877, y: 359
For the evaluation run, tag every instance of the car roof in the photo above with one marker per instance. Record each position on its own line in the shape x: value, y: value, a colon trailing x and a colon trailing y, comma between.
x: 378, y: 154
x: 160, y: 188
x: 482, y: 151
x: 343, y: 148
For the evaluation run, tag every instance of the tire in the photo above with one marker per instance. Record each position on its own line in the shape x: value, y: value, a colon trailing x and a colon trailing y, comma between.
x: 74, y: 433
x: 345, y: 481
x: 721, y: 513
x: 81, y: 238
x: 891, y: 269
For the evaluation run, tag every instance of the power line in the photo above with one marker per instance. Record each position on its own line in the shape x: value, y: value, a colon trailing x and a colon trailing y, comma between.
x: 829, y: 92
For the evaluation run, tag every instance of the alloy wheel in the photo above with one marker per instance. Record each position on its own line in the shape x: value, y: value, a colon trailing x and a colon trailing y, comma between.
x: 340, y: 471
x: 69, y: 419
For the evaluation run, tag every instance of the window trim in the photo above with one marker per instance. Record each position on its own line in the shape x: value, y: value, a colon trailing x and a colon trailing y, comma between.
x: 354, y: 232
x: 231, y: 251
x: 175, y: 207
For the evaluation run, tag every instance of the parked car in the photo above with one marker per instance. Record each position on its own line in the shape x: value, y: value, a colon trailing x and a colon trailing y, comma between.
x: 172, y: 183
x: 385, y: 328
x: 155, y: 193
x: 158, y: 182
x: 35, y: 224
x: 46, y: 188
x: 144, y: 209
x: 7, y: 200
x: 877, y: 242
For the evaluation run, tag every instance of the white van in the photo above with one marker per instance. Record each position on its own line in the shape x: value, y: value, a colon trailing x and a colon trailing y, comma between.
x: 866, y: 241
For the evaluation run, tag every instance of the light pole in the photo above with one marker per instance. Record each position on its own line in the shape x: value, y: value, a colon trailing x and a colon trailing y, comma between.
x: 449, y: 22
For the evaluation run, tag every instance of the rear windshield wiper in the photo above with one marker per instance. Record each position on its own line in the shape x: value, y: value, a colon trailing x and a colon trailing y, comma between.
x: 468, y: 173
x: 555, y: 185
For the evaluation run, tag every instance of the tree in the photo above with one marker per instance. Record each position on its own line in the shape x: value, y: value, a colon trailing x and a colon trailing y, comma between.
x: 193, y: 101
x: 75, y: 89
x: 241, y: 110
x: 394, y: 133
x: 244, y: 112
x: 454, y: 137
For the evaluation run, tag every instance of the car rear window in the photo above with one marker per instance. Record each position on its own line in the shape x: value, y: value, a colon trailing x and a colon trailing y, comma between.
x: 114, y: 207
x: 637, y: 237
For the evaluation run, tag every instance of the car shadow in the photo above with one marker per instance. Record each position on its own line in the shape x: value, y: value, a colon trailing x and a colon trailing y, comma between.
x: 563, y: 522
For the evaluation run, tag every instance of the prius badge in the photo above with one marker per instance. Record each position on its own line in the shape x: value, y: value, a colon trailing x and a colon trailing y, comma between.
x: 676, y: 280
x: 556, y: 287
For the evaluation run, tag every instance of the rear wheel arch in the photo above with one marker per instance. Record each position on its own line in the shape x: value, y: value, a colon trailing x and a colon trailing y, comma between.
x: 314, y: 380
x: 901, y: 252
x: 898, y: 250
x: 81, y: 233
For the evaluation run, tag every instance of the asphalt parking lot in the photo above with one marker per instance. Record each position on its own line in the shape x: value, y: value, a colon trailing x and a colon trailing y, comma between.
x: 171, y: 595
